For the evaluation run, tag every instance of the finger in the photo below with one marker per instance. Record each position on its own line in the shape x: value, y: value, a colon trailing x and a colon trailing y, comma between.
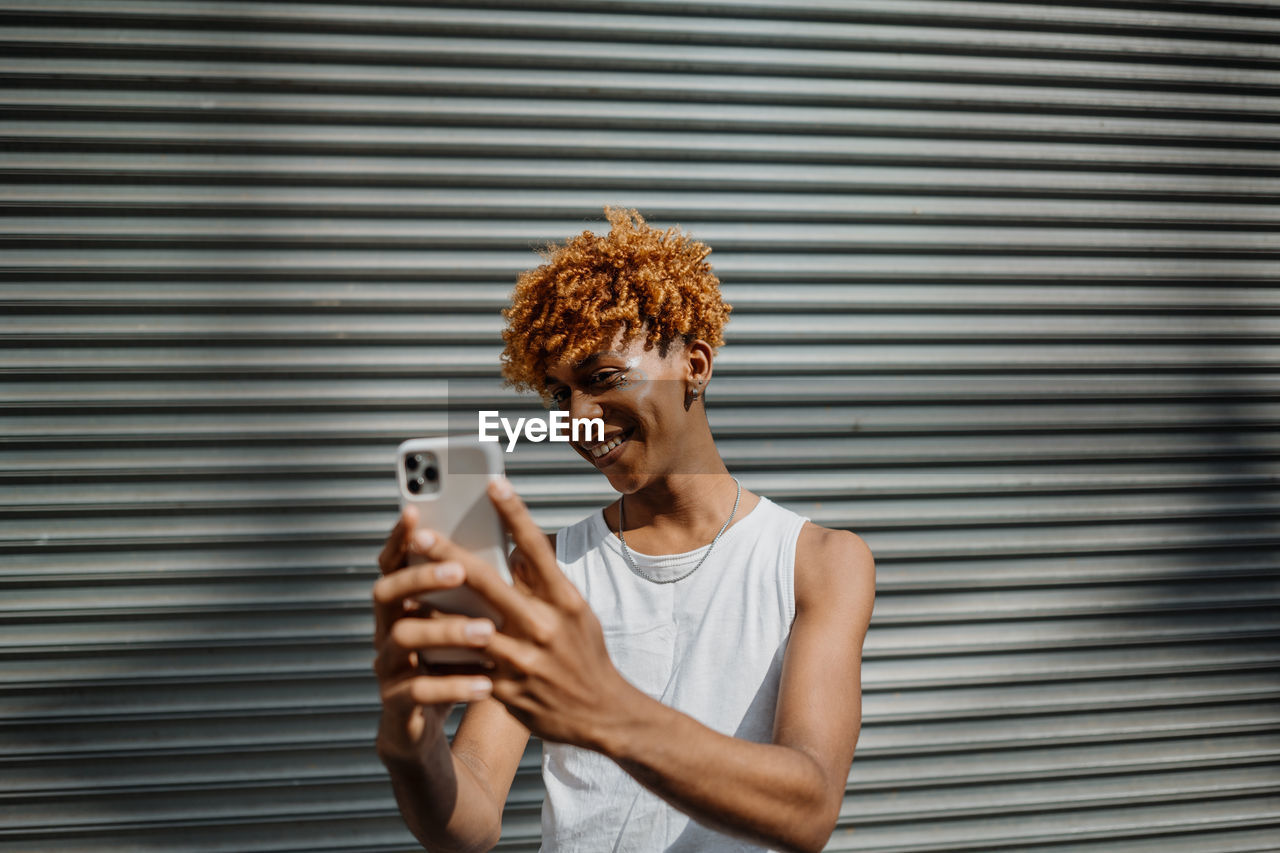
x: 514, y: 606
x: 416, y: 580
x: 389, y: 613
x: 391, y: 559
x: 393, y: 660
x: 440, y: 631
x: 511, y: 603
x: 513, y: 657
x: 384, y: 615
x: 519, y: 567
x: 437, y: 690
x: 393, y: 552
x: 543, y: 573
x: 393, y: 595
x: 399, y: 652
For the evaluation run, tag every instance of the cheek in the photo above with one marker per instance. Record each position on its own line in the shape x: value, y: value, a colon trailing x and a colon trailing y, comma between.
x: 651, y: 396
x: 658, y: 401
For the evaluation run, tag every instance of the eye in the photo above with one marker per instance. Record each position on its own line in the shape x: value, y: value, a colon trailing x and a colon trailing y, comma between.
x: 608, y: 378
x: 559, y: 396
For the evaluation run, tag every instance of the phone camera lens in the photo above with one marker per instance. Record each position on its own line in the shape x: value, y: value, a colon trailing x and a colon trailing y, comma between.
x: 431, y: 473
x: 411, y: 463
x: 415, y: 486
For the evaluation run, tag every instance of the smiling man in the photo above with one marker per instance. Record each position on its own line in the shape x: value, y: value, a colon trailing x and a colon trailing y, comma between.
x: 690, y: 655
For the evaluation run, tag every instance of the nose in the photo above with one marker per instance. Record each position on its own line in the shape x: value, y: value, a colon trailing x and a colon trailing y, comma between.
x: 584, y: 405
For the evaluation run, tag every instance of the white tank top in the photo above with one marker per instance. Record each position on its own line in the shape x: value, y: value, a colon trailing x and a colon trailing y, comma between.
x: 709, y: 645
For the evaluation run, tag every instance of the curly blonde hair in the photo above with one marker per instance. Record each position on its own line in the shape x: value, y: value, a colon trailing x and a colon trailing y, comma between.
x: 645, y: 282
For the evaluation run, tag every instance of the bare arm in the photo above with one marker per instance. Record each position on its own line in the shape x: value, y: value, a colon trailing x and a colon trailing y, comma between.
x: 786, y: 794
x: 451, y: 796
x: 555, y: 676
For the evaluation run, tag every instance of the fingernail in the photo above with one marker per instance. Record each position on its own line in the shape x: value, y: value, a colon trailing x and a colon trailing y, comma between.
x: 502, y: 488
x: 481, y: 629
x: 449, y: 572
x: 425, y: 539
x: 481, y: 687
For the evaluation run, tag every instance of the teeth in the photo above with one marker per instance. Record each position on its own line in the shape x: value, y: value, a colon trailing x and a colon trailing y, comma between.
x: 597, y: 452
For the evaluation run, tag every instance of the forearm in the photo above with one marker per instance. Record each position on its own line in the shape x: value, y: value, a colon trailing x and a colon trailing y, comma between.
x: 443, y: 803
x: 766, y: 793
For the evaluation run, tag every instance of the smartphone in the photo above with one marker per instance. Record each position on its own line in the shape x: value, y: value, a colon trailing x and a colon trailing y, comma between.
x: 447, y: 479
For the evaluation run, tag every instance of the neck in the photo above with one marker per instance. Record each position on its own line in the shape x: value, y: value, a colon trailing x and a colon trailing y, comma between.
x: 684, y: 508
x: 694, y: 503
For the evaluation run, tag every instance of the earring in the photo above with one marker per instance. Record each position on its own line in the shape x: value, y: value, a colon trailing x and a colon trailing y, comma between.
x: 694, y: 393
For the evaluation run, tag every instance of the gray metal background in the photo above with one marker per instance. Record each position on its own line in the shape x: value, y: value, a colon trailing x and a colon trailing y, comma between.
x: 1016, y: 265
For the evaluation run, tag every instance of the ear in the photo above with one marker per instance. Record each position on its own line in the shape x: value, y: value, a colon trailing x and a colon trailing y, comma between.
x: 698, y: 357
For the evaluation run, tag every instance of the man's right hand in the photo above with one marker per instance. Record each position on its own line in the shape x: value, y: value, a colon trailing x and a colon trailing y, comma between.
x: 414, y: 704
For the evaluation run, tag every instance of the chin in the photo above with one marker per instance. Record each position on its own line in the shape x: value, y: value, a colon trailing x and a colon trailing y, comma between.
x: 624, y: 480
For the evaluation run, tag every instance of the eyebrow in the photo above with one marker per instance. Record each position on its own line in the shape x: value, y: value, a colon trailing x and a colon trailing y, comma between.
x: 584, y: 363
x: 596, y: 356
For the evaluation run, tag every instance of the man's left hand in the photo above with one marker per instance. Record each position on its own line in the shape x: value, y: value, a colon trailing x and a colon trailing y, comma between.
x: 553, y: 672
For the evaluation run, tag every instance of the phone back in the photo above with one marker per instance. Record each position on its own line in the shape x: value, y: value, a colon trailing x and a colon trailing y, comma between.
x: 452, y: 498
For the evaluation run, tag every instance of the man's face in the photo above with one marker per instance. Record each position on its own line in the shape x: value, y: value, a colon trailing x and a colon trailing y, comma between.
x: 639, y: 396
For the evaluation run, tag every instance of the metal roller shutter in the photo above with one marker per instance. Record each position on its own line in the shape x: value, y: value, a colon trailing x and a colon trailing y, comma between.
x: 1005, y: 288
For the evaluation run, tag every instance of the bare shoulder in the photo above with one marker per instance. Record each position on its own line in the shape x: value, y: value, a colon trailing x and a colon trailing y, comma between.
x: 834, y: 568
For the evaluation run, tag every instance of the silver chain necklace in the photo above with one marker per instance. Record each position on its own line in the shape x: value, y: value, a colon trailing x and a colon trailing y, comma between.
x: 622, y: 522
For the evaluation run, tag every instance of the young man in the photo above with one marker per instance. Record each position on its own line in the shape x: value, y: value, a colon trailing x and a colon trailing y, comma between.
x: 690, y: 656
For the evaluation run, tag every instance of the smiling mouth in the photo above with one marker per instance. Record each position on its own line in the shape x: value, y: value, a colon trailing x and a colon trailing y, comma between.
x: 603, y: 449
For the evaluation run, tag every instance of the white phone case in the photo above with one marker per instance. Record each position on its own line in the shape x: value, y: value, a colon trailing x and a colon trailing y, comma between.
x: 460, y: 510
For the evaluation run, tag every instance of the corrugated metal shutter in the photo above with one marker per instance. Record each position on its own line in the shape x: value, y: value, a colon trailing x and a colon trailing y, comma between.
x: 1005, y: 288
